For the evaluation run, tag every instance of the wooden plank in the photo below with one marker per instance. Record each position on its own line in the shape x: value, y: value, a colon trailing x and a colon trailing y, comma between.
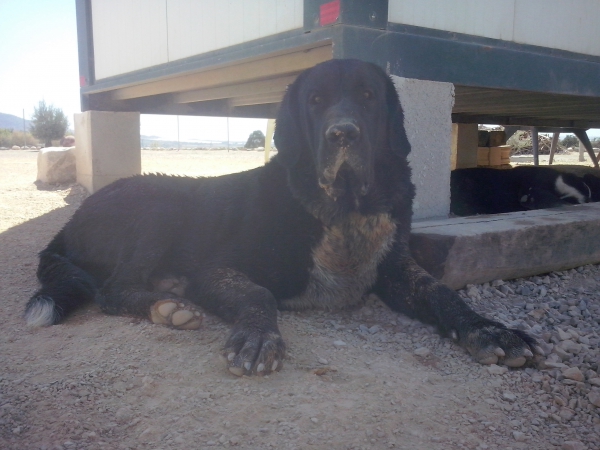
x: 235, y: 90
x: 280, y: 65
x: 257, y: 99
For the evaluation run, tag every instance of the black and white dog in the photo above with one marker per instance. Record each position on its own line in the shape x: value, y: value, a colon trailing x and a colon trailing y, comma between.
x: 483, y: 190
x: 324, y: 223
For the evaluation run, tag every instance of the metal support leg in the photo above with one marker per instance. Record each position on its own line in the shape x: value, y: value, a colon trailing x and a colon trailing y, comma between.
x: 535, y: 146
x: 269, y: 138
x: 553, y: 146
x: 583, y: 138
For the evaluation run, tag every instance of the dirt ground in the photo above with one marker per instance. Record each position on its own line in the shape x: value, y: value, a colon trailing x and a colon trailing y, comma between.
x: 351, y: 380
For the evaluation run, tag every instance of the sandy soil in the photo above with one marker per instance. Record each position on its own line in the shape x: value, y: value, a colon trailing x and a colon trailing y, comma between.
x: 352, y: 379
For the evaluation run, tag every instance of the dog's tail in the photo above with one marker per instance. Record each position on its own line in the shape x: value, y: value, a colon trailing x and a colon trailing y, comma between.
x: 64, y: 286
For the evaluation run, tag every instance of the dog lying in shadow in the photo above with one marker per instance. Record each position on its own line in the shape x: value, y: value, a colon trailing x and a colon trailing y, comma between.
x: 324, y: 223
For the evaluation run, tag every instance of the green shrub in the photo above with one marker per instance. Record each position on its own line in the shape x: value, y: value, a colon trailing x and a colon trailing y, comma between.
x: 8, y: 138
x: 570, y: 141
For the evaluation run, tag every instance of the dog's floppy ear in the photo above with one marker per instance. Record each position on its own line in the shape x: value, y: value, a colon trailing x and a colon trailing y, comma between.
x: 288, y: 137
x: 397, y: 133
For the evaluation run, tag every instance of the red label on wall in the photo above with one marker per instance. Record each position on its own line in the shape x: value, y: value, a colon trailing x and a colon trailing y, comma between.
x: 329, y: 12
x: 82, y: 81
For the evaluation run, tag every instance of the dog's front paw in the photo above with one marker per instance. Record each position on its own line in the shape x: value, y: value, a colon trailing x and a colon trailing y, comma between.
x: 493, y: 343
x: 250, y: 351
x: 178, y: 314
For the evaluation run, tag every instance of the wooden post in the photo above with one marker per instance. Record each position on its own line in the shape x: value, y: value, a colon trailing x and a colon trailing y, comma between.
x: 553, y: 146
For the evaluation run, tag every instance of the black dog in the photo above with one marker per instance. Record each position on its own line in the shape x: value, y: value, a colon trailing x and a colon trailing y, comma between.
x: 324, y: 223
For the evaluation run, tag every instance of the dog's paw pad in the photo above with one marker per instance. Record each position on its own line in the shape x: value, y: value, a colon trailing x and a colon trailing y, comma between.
x: 177, y: 314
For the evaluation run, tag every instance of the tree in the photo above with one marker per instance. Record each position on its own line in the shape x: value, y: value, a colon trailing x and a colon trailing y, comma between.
x: 256, y: 139
x: 48, y: 123
x: 570, y: 141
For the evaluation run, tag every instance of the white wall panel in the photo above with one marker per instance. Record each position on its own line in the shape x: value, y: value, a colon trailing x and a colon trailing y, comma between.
x: 136, y: 34
x: 199, y: 26
x: 485, y: 18
x: 567, y: 25
x: 559, y: 24
x: 128, y: 35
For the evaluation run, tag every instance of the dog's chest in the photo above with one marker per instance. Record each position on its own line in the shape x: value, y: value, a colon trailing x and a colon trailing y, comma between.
x: 345, y: 262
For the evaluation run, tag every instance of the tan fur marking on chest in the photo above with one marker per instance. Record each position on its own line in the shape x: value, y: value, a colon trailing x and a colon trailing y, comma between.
x: 345, y: 262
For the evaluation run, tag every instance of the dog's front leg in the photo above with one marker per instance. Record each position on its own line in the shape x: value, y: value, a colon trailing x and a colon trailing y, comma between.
x: 407, y: 288
x: 255, y: 345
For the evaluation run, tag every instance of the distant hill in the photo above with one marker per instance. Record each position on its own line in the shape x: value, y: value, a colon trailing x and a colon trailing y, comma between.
x: 157, y: 142
x: 10, y: 122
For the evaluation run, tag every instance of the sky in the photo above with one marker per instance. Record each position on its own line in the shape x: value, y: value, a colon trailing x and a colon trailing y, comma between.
x: 38, y: 61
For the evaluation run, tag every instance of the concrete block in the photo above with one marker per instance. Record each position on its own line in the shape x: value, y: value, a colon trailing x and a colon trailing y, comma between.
x: 428, y: 121
x: 477, y: 249
x: 108, y: 147
x: 56, y: 165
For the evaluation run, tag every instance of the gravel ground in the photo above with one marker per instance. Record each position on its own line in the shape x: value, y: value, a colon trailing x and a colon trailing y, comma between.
x: 366, y: 378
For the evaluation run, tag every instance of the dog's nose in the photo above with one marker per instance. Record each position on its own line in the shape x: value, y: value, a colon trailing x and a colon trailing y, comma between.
x: 342, y: 133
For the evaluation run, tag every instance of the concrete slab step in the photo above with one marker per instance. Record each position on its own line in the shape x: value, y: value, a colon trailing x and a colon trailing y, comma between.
x: 469, y: 250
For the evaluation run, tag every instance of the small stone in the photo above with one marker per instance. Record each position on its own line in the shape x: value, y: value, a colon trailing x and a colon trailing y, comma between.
x: 573, y: 445
x: 573, y: 373
x: 494, y: 369
x: 594, y: 398
x: 563, y: 335
x: 571, y: 346
x: 509, y: 396
x: 594, y: 381
x: 537, y: 314
x: 566, y: 413
x: 473, y: 293
x: 374, y: 329
x: 525, y: 291
x: 506, y: 290
x: 422, y: 352
x: 314, y: 420
x: 519, y: 436
x: 323, y: 361
x: 546, y: 347
x: 339, y: 343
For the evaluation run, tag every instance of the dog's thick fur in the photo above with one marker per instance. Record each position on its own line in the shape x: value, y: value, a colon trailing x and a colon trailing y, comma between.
x: 324, y: 223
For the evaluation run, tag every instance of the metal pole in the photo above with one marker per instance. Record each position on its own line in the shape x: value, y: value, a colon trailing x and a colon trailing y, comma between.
x: 269, y: 138
x: 24, y: 135
x: 535, y: 146
x: 553, y: 146
x: 227, y: 133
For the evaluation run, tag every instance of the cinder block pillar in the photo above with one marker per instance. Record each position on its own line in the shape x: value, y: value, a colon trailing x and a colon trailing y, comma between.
x: 108, y: 147
x: 464, y: 145
x: 428, y: 121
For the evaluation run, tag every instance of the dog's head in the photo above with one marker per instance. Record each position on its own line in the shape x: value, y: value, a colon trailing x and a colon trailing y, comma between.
x: 341, y: 116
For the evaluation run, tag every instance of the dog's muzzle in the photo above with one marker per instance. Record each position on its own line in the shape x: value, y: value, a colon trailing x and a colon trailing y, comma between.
x: 343, y: 166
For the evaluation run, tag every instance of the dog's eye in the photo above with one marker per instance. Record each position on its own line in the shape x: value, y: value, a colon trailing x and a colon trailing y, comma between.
x: 316, y: 99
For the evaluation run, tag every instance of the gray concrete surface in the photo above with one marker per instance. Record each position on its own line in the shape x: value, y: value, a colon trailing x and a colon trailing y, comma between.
x: 469, y: 250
